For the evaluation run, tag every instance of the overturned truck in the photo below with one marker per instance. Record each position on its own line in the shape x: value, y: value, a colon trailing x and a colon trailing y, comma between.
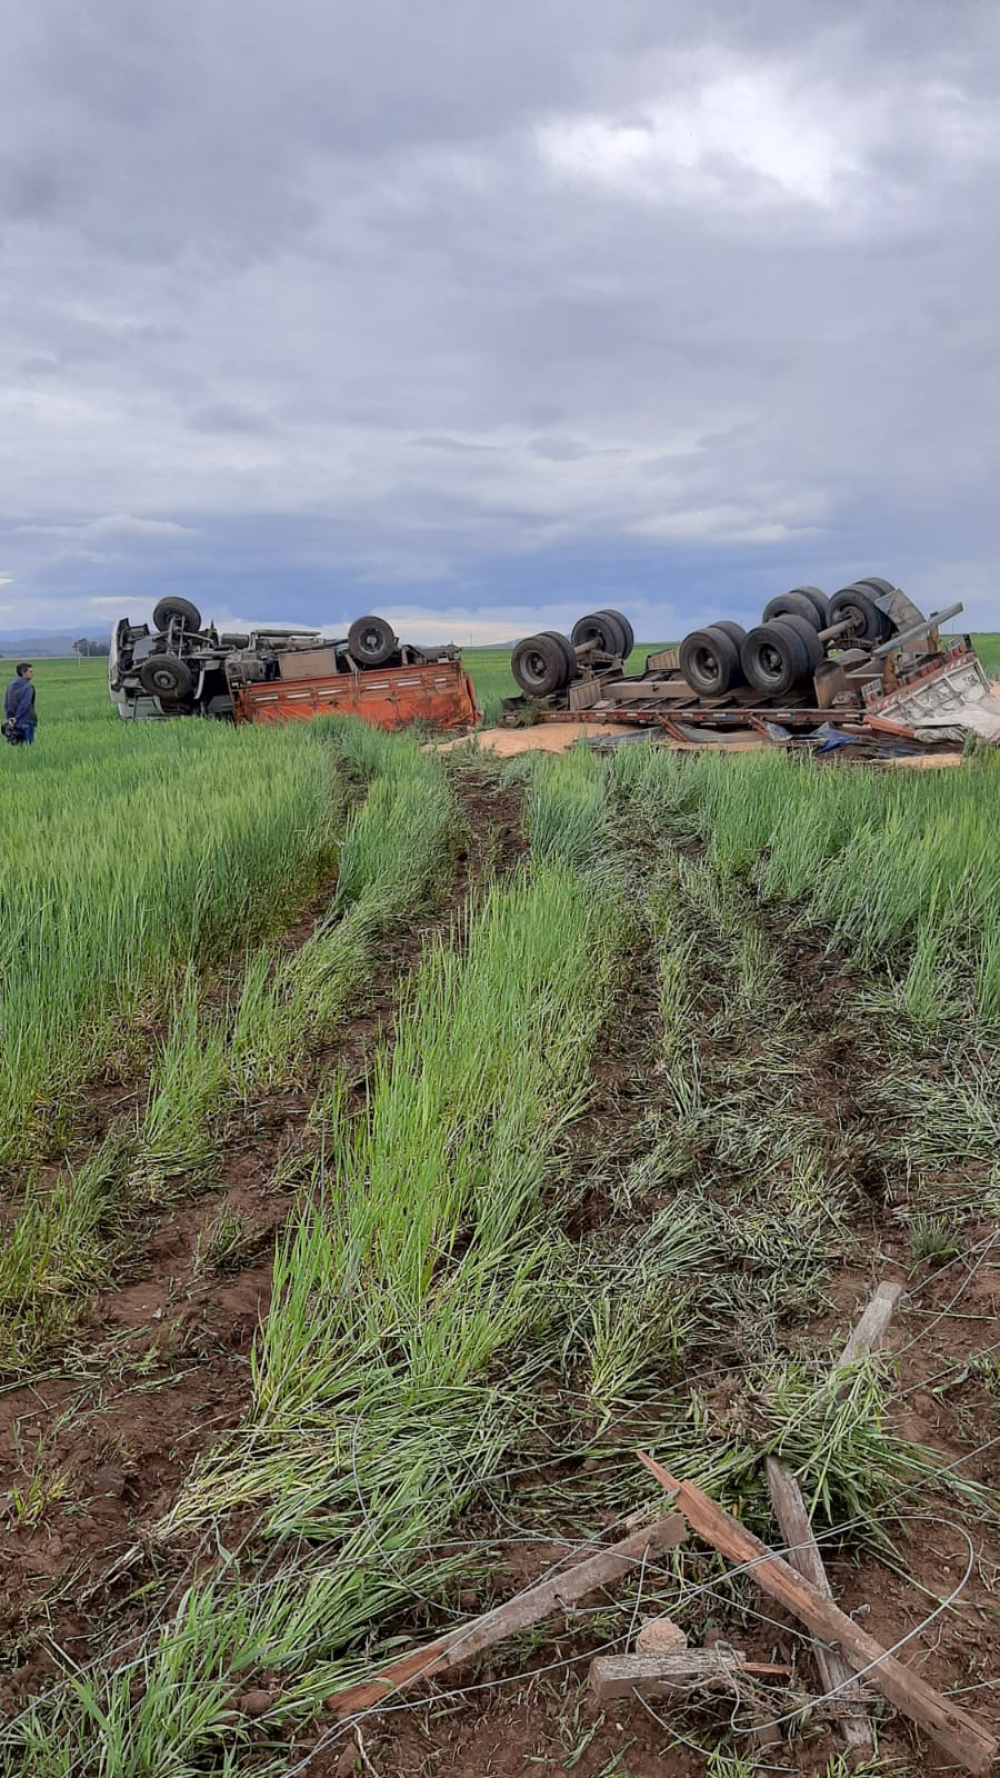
x: 274, y: 673
x: 864, y: 662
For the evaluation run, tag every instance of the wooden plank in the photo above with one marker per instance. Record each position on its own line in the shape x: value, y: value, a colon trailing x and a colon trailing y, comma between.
x: 871, y: 1329
x: 604, y: 1569
x: 952, y: 1729
x: 797, y: 1533
x: 803, y: 1554
x: 683, y: 1670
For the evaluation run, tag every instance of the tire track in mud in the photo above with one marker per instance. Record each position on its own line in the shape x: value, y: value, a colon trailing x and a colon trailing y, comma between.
x: 810, y: 1056
x: 101, y: 1441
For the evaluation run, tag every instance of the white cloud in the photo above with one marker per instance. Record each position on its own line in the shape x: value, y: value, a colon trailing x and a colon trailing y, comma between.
x: 760, y: 124
x: 124, y: 524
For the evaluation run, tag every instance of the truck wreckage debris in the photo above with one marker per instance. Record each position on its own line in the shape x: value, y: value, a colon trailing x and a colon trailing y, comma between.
x: 274, y: 674
x: 865, y: 663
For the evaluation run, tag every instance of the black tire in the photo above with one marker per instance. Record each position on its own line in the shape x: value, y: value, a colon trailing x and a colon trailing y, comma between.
x: 180, y: 611
x: 572, y: 665
x: 879, y: 589
x: 735, y: 632
x: 774, y: 659
x: 371, y: 641
x: 856, y: 605
x: 793, y: 604
x: 602, y: 628
x: 623, y: 624
x: 817, y: 597
x: 710, y: 662
x: 165, y: 676
x: 539, y: 665
x: 804, y: 627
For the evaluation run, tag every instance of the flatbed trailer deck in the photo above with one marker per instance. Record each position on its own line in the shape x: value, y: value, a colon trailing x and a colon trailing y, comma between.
x: 934, y: 695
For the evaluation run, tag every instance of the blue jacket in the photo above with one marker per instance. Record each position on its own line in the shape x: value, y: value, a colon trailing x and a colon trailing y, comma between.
x: 19, y: 703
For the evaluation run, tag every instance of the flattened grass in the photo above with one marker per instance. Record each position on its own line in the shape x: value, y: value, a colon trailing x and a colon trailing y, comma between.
x: 393, y: 1373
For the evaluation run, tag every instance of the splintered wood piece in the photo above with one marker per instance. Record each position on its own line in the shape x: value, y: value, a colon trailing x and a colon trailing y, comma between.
x: 801, y: 1547
x: 604, y: 1569
x: 957, y: 1733
x: 803, y: 1554
x: 682, y: 1670
x: 871, y: 1329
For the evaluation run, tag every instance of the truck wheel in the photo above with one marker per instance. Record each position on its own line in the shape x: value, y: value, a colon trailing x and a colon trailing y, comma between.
x: 810, y: 638
x: 603, y: 628
x: 540, y: 666
x: 817, y: 597
x: 774, y: 659
x: 569, y: 652
x: 856, y: 605
x: 793, y: 604
x: 371, y: 641
x: 179, y: 611
x: 710, y: 662
x: 164, y: 676
x: 735, y: 632
x: 879, y: 589
x: 623, y: 624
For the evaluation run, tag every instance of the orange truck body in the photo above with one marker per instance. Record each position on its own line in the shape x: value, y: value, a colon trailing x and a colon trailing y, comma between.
x: 439, y: 693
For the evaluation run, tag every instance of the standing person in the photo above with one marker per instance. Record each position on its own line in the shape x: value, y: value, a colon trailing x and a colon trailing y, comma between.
x: 20, y: 719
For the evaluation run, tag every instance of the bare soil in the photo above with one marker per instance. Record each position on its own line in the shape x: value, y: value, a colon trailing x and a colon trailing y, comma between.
x: 558, y: 737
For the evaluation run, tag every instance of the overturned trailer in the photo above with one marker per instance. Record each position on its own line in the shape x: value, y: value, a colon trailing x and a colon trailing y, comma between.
x: 865, y: 662
x: 276, y: 673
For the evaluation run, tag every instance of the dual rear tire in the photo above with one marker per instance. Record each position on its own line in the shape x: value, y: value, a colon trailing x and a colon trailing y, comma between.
x: 807, y: 602
x: 774, y: 658
x: 710, y: 659
x: 781, y: 656
x: 545, y: 664
x: 609, y: 630
x: 855, y: 604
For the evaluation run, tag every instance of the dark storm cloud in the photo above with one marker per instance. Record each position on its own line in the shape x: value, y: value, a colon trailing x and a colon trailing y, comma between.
x: 473, y: 308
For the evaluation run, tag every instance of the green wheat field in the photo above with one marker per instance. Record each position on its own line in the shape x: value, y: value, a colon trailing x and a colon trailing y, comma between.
x: 391, y: 1142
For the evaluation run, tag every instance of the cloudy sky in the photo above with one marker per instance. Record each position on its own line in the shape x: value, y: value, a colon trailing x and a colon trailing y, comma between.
x: 472, y: 313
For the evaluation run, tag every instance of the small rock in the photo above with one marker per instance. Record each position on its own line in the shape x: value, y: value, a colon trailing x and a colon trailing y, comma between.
x: 349, y: 1761
x: 255, y: 1703
x: 660, y: 1636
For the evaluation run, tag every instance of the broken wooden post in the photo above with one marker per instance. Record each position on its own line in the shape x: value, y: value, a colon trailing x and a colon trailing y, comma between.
x: 682, y: 1670
x: 797, y: 1534
x: 957, y: 1733
x: 870, y: 1331
x: 803, y: 1554
x: 603, y: 1569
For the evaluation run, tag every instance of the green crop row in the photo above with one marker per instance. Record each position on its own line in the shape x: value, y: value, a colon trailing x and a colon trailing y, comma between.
x: 392, y: 1372
x: 395, y: 850
x: 900, y: 866
x: 130, y: 853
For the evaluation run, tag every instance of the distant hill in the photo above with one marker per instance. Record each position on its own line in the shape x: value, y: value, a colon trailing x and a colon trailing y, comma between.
x: 19, y: 645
